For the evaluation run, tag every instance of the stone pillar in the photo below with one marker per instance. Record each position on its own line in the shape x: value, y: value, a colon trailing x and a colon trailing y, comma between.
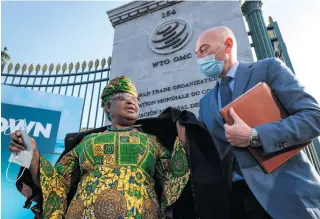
x: 154, y: 45
x: 261, y: 42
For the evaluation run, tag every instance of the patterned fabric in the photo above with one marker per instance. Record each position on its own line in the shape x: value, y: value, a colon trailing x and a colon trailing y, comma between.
x: 118, y: 173
x: 117, y: 85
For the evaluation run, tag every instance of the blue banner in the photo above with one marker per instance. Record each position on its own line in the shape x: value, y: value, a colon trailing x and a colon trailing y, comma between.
x: 49, y: 118
x: 42, y: 125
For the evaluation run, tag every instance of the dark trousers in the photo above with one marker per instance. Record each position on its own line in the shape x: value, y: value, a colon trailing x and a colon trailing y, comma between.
x: 243, y: 204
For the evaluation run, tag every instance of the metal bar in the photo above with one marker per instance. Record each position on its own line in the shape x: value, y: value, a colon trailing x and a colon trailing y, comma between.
x: 85, y: 96
x: 80, y: 85
x: 312, y: 155
x: 61, y: 83
x: 48, y: 81
x: 54, y: 83
x: 73, y: 74
x: 306, y: 150
x: 95, y: 75
x: 273, y: 39
x: 65, y: 93
x: 5, y: 79
x: 41, y: 80
x: 103, y: 113
x: 84, y: 102
x: 98, y: 99
x: 77, y: 83
x: 13, y: 79
x: 34, y: 81
x: 270, y: 27
x: 20, y: 78
x: 75, y: 78
x: 283, y: 46
x: 26, y: 85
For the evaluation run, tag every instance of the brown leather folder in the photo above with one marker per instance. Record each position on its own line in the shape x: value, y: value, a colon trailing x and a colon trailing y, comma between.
x: 259, y: 106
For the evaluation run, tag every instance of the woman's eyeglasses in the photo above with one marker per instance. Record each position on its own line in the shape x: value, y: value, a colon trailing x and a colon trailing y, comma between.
x: 126, y: 97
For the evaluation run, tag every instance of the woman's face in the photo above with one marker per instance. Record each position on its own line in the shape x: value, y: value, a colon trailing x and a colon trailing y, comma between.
x: 124, y: 107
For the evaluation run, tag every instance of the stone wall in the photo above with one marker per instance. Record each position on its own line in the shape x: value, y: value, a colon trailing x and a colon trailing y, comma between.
x: 166, y: 73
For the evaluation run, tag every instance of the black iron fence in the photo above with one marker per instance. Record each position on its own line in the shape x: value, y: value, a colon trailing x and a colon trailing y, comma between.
x: 65, y: 80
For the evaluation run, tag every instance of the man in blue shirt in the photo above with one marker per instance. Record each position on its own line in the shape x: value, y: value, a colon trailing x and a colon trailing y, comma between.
x: 292, y: 191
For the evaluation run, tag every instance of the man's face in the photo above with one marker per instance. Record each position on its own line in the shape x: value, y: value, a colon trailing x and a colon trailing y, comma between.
x: 206, y: 46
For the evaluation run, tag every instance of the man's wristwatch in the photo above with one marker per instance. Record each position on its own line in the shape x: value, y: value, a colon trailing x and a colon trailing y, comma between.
x: 254, y: 140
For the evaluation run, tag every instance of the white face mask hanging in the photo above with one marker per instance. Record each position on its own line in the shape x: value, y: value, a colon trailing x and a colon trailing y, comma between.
x: 22, y: 158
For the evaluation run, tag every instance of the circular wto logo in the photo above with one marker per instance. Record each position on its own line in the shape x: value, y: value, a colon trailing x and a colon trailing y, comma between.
x: 170, y: 36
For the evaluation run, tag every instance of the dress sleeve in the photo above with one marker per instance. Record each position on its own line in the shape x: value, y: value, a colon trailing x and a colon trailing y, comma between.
x: 55, y: 183
x: 172, y: 171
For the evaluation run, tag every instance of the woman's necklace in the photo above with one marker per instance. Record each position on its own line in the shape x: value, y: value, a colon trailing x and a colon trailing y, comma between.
x: 112, y: 129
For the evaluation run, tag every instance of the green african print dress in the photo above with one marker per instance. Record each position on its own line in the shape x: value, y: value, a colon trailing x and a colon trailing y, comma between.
x: 118, y: 172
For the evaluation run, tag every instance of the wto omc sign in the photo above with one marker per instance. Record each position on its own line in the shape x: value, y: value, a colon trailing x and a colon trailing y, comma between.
x: 170, y: 36
x: 42, y: 125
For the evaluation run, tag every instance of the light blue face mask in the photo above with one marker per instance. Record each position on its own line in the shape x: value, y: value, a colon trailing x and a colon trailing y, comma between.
x: 209, y: 66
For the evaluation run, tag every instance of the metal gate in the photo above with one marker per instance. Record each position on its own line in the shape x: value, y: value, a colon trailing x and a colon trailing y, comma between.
x: 65, y: 79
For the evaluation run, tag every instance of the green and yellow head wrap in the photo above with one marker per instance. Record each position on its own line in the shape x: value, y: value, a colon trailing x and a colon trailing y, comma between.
x: 118, y: 85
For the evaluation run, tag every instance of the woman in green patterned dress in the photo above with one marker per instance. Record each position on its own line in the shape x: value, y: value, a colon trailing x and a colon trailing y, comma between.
x: 119, y: 167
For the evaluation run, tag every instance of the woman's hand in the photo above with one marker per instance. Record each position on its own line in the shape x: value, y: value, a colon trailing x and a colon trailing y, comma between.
x: 17, y: 144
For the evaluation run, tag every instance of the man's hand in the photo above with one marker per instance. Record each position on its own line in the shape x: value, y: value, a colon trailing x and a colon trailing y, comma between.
x: 239, y: 133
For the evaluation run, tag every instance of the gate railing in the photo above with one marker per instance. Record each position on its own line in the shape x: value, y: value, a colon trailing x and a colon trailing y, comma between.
x: 65, y: 80
x: 86, y: 84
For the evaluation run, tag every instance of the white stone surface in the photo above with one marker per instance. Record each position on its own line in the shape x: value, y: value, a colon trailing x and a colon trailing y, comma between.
x: 133, y: 57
